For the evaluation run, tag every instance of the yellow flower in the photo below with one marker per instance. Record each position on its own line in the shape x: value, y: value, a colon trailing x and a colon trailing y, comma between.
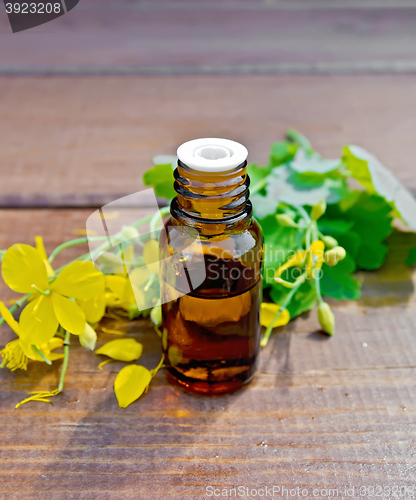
x: 94, y: 309
x: 119, y: 291
x: 269, y: 311
x: 24, y: 271
x: 40, y: 247
x: 295, y: 260
x: 17, y: 352
x: 316, y: 257
x: 112, y: 263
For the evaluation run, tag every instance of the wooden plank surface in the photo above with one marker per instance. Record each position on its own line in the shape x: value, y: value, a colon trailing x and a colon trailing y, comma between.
x: 85, y: 141
x: 268, y: 36
x: 321, y: 413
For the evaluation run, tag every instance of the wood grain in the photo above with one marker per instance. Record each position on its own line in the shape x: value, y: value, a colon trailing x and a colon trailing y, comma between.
x: 85, y: 141
x: 217, y: 36
x: 321, y: 413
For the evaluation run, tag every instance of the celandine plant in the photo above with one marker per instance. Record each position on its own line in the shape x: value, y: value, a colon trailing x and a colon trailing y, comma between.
x: 319, y: 230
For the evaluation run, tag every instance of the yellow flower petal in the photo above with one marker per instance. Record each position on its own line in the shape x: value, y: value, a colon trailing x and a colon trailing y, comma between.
x: 53, y: 356
x: 22, y: 267
x: 295, y: 260
x: 38, y: 322
x: 130, y: 384
x: 116, y: 284
x: 316, y: 256
x: 88, y: 338
x: 55, y: 343
x: 80, y: 280
x: 122, y: 291
x: 40, y: 247
x: 94, y: 308
x: 70, y: 316
x: 30, y: 351
x: 269, y: 311
x: 8, y: 318
x: 122, y: 349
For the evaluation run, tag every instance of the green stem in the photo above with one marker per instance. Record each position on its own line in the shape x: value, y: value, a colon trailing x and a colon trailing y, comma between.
x: 149, y: 283
x: 308, y: 237
x: 65, y: 363
x: 318, y: 290
x: 47, y: 361
x: 72, y: 243
x: 18, y: 304
x: 304, y: 214
x: 142, y: 221
x: 156, y: 218
x: 315, y: 231
x: 283, y: 305
x: 101, y: 248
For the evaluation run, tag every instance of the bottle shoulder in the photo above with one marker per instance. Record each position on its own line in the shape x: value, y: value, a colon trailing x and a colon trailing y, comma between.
x: 176, y: 237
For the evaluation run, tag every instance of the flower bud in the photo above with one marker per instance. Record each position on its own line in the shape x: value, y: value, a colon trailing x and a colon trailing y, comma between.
x: 156, y: 315
x: 318, y: 210
x: 332, y: 257
x: 88, y: 338
x: 130, y: 232
x: 326, y: 318
x: 330, y: 242
x: 134, y: 311
x: 285, y: 220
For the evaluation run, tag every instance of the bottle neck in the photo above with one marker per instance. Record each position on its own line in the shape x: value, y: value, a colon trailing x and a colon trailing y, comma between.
x: 214, y: 200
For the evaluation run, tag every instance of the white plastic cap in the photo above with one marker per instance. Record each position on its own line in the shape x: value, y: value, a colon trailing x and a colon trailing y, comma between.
x: 212, y: 155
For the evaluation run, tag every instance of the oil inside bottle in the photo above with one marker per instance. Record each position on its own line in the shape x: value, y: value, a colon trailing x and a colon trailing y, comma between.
x: 214, y: 333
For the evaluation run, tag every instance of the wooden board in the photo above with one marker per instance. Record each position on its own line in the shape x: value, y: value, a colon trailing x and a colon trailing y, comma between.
x: 267, y: 36
x: 86, y: 141
x: 321, y: 413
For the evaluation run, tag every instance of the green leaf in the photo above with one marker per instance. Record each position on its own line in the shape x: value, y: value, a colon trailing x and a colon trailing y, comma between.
x: 262, y: 206
x: 160, y: 177
x: 282, y: 152
x: 378, y: 179
x: 304, y: 164
x: 256, y: 173
x: 299, y: 139
x: 285, y: 186
x: 341, y: 230
x: 334, y: 226
x: 338, y: 282
x: 371, y: 218
x: 130, y: 384
x: 411, y: 259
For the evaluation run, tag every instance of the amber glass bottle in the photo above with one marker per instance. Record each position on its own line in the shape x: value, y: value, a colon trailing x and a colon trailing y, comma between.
x: 211, y: 256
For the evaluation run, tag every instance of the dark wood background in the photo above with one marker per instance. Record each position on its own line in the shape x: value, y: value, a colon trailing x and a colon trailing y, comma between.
x: 86, y: 102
